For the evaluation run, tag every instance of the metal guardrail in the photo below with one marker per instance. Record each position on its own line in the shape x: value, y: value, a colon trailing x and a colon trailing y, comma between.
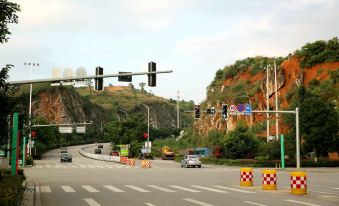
x: 98, y: 157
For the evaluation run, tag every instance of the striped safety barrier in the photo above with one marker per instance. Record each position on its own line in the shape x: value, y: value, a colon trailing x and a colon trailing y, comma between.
x: 299, y: 183
x: 269, y: 179
x: 131, y: 162
x: 146, y: 164
x: 246, y: 177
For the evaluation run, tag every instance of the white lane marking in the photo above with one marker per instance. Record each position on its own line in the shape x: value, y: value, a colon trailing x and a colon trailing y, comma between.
x: 114, y: 189
x: 48, y: 166
x: 183, y: 188
x: 67, y: 188
x: 136, y: 188
x: 197, y: 202
x: 234, y: 189
x: 254, y: 203
x: 161, y: 188
x: 91, y: 202
x: 302, y: 203
x: 90, y: 166
x: 149, y: 204
x: 100, y: 166
x: 329, y: 193
x: 45, y: 189
x: 209, y: 189
x: 89, y: 188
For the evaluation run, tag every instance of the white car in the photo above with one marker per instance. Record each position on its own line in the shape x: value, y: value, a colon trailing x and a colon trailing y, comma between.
x: 190, y: 161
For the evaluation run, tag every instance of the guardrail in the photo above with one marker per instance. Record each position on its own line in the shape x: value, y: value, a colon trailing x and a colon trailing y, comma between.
x: 97, y: 156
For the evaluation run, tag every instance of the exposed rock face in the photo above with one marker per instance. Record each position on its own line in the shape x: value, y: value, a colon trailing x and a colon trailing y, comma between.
x: 289, y: 76
x: 66, y: 106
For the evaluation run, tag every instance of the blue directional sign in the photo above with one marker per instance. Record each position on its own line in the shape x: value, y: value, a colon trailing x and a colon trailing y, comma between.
x: 248, y: 109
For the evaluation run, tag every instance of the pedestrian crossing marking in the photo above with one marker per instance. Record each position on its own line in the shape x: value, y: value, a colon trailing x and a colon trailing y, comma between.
x: 67, y: 189
x: 184, y: 188
x: 114, y: 189
x: 89, y: 188
x: 161, y: 188
x: 91, y: 202
x: 209, y: 189
x: 137, y: 188
x: 234, y: 189
x: 197, y: 202
x: 45, y: 189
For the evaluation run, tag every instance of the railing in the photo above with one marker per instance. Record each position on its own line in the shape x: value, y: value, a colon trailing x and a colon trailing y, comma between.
x: 97, y: 156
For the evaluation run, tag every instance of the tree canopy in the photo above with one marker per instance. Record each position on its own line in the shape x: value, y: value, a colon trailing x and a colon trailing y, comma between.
x: 7, y: 15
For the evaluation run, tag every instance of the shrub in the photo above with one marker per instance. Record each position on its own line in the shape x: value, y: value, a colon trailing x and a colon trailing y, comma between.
x: 29, y: 160
x: 11, y: 189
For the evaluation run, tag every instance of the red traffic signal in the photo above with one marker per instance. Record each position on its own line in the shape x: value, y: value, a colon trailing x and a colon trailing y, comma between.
x: 145, y: 135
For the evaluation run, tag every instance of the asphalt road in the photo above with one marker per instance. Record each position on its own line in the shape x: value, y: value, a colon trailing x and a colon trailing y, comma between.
x: 90, y: 182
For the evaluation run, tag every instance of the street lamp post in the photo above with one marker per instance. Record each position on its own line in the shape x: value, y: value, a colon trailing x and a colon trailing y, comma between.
x: 147, y: 126
x: 31, y: 65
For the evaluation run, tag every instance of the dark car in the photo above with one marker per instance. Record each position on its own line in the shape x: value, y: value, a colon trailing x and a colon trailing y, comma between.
x: 100, y: 146
x: 66, y: 157
x: 97, y: 151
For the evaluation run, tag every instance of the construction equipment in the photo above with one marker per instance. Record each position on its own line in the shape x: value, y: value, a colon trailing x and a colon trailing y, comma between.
x: 167, y: 153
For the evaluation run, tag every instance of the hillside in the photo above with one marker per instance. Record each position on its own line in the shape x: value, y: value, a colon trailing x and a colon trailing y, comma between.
x: 245, y: 82
x: 68, y: 105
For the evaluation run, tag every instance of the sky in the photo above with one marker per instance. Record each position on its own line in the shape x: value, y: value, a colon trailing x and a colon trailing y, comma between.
x: 194, y: 38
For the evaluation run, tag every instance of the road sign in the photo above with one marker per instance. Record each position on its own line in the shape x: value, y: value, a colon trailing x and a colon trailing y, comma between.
x: 81, y: 130
x: 65, y: 130
x: 232, y: 108
x: 240, y: 107
x: 248, y: 109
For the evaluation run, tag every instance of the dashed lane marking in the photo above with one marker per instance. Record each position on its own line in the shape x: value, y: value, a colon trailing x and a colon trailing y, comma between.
x: 149, y: 204
x: 302, y: 203
x: 254, y: 203
x: 197, y: 202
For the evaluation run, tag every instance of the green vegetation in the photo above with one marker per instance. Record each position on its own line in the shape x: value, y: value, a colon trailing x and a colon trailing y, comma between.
x: 11, y: 189
x: 319, y: 52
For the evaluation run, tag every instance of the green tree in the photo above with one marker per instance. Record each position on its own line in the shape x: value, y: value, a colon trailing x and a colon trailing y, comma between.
x: 7, y: 15
x: 241, y: 143
x: 319, y: 125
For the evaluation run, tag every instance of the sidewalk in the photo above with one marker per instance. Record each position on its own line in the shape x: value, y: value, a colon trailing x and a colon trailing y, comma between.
x: 31, y: 194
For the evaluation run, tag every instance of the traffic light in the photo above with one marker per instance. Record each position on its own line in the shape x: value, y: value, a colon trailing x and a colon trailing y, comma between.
x: 99, y: 81
x: 224, y: 111
x: 152, y: 78
x: 197, y: 111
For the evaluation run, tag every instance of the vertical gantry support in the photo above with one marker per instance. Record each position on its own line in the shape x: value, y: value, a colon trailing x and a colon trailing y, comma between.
x: 297, y: 136
x: 14, y: 143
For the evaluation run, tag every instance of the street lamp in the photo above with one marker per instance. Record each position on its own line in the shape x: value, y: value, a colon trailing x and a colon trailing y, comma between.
x: 31, y: 65
x: 147, y: 126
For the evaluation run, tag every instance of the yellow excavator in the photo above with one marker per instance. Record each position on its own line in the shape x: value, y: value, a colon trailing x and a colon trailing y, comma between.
x: 167, y: 153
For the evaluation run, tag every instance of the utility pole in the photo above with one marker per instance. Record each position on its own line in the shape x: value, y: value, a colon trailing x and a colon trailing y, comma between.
x: 147, y: 126
x: 30, y: 108
x: 178, y: 124
x: 267, y: 106
x: 276, y: 103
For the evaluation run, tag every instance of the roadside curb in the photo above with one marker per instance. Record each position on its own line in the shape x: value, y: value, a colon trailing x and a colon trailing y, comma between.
x: 31, y: 194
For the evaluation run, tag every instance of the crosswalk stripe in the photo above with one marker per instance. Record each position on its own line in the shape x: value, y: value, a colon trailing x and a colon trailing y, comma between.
x: 254, y: 203
x: 89, y: 188
x: 90, y: 166
x: 48, y: 166
x: 67, y: 189
x: 234, y: 189
x: 197, y: 202
x: 136, y: 188
x: 114, y: 189
x: 45, y: 189
x: 91, y: 202
x: 184, y: 188
x: 149, y: 204
x: 100, y: 166
x: 161, y: 188
x: 209, y: 189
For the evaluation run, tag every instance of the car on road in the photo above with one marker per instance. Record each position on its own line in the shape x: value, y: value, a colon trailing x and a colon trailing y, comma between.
x: 63, y: 150
x: 66, y: 157
x: 97, y: 151
x: 100, y: 146
x: 190, y: 161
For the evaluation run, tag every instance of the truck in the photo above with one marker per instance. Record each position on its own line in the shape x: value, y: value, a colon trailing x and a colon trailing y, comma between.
x: 167, y: 153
